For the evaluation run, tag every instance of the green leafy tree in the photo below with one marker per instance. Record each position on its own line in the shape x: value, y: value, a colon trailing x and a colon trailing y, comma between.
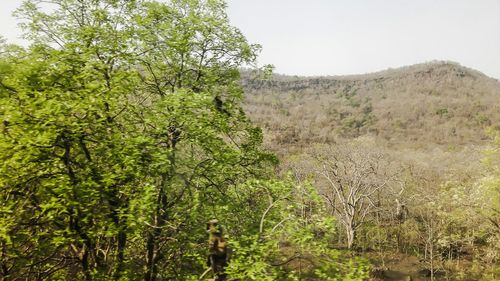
x: 113, y: 124
x: 122, y: 134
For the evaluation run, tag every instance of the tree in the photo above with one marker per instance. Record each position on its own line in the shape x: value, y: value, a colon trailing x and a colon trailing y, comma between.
x: 122, y: 134
x: 350, y: 178
x: 294, y: 237
x: 120, y: 116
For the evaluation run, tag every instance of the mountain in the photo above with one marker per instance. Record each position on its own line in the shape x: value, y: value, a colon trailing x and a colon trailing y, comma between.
x: 424, y: 105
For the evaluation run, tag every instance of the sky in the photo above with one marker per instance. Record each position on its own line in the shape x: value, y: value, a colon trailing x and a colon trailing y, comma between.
x: 338, y: 37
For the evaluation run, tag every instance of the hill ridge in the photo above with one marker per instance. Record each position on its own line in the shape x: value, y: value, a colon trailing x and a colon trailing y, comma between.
x: 418, y: 67
x: 437, y: 103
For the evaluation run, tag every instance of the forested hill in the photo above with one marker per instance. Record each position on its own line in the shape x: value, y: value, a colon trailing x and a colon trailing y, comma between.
x: 423, y: 105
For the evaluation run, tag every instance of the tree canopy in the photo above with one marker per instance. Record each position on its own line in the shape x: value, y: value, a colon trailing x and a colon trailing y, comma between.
x: 122, y: 134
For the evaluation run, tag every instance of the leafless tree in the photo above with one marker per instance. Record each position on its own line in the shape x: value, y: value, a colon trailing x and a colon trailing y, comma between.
x: 351, y: 179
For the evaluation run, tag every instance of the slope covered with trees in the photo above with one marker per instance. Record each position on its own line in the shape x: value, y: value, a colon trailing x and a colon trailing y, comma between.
x: 402, y: 159
x: 437, y: 103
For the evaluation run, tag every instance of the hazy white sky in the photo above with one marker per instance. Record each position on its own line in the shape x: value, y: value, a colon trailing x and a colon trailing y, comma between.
x: 333, y: 37
x: 329, y: 37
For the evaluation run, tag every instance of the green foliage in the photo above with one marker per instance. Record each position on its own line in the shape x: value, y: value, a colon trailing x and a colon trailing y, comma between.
x: 441, y: 112
x: 249, y: 262
x: 122, y: 134
x: 294, y: 242
x: 99, y: 162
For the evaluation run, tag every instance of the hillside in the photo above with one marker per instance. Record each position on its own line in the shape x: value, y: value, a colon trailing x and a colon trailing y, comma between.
x: 418, y: 106
x: 425, y: 128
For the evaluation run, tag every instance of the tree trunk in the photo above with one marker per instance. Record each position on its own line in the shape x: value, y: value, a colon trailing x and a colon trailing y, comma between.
x: 120, y: 258
x: 160, y: 216
x: 150, y: 271
x: 152, y: 256
x: 121, y: 235
x: 351, y: 235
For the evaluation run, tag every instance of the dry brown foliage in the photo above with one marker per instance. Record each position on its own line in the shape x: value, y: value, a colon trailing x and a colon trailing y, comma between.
x: 419, y: 106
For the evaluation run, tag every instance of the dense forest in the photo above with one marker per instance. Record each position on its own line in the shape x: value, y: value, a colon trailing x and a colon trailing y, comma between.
x: 135, y: 146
